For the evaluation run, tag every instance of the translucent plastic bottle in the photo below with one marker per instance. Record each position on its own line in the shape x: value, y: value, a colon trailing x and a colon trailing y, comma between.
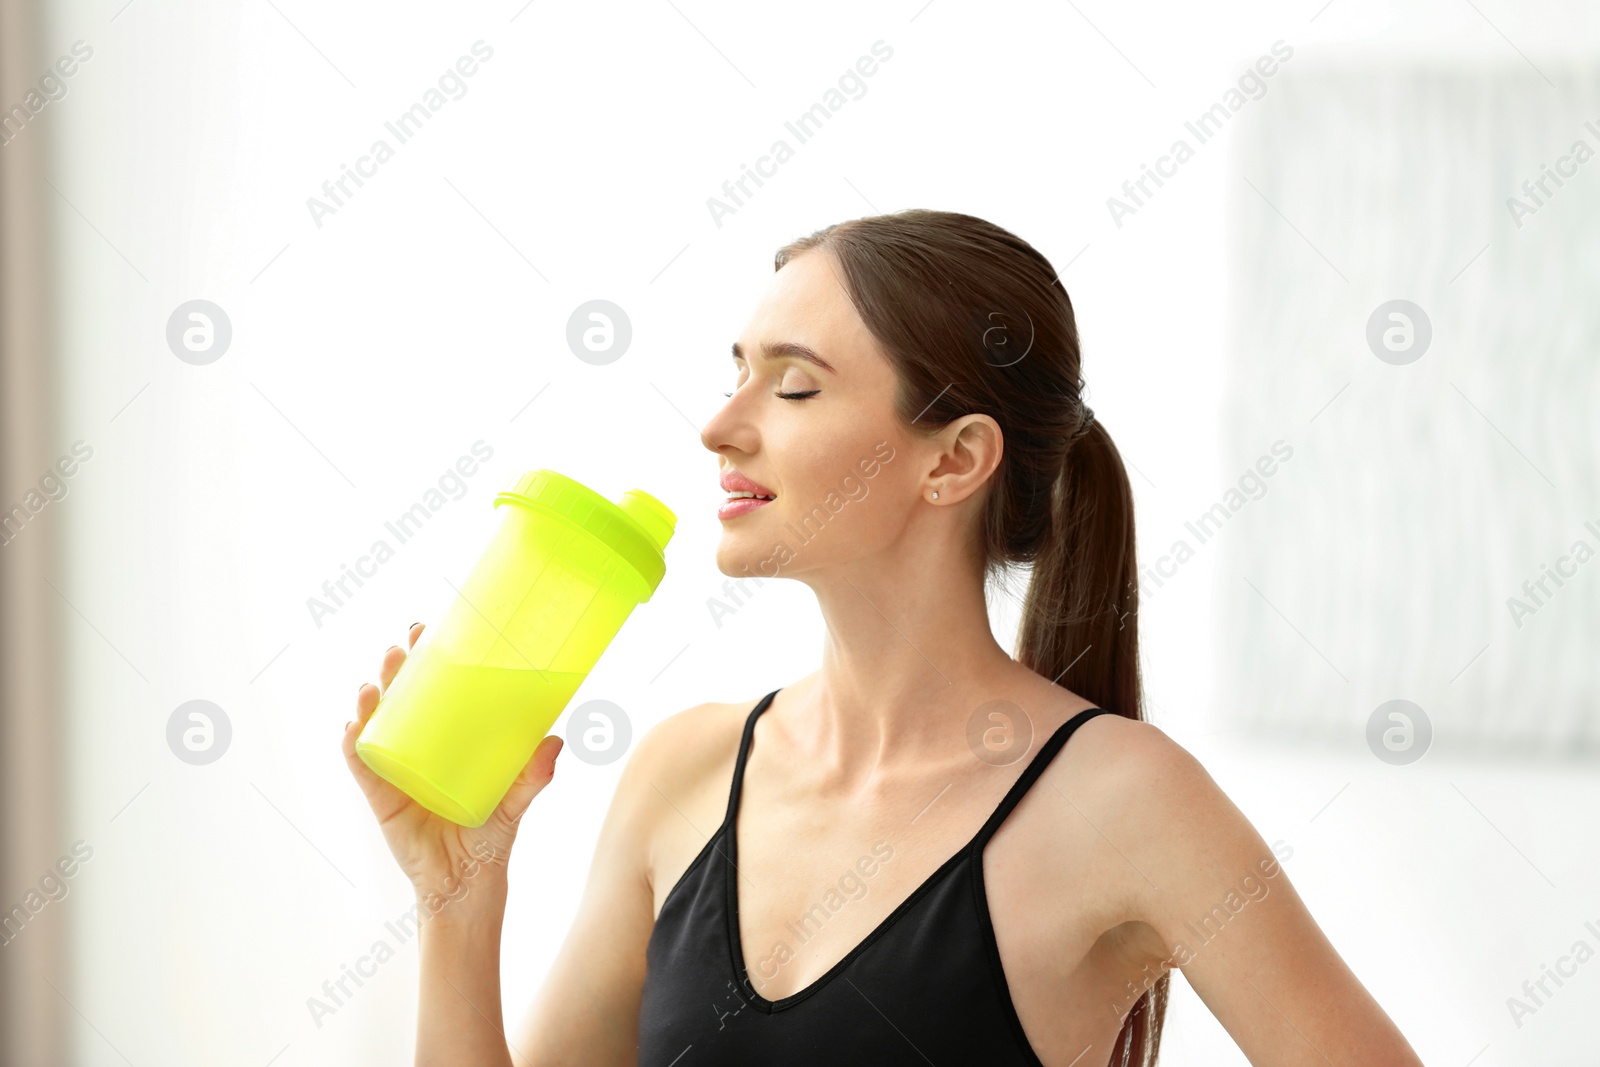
x: 562, y: 573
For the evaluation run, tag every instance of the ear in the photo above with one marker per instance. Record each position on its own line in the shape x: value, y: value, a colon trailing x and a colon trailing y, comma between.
x: 969, y: 452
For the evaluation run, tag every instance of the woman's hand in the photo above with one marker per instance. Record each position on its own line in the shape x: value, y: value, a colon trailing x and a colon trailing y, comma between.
x: 431, y: 849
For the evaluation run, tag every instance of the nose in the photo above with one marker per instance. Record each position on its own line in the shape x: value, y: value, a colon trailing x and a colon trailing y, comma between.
x: 729, y: 429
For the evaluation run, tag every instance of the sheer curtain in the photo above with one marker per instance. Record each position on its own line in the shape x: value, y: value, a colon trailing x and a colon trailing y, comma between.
x: 1404, y: 550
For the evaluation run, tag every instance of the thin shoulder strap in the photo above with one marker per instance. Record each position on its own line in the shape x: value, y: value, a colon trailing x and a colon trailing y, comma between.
x: 1032, y: 772
x: 744, y: 753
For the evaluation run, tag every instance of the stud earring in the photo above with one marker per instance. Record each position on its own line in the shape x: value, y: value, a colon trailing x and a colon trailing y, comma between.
x: 936, y: 494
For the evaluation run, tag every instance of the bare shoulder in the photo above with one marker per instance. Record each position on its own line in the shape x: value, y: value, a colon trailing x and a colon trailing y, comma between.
x: 668, y: 769
x: 687, y: 745
x: 1155, y: 802
x: 1112, y: 752
x: 677, y: 778
x: 1130, y: 775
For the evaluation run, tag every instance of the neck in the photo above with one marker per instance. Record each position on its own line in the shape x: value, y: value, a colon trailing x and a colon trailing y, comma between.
x: 907, y: 657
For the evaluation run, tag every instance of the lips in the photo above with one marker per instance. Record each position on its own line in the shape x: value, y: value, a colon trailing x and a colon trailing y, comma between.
x: 735, y: 482
x: 736, y: 505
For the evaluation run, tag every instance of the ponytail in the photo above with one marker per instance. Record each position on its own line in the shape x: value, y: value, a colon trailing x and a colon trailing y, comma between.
x: 1080, y: 628
x: 1079, y: 617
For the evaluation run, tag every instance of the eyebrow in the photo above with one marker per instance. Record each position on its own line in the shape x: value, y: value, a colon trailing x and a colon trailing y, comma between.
x: 787, y: 349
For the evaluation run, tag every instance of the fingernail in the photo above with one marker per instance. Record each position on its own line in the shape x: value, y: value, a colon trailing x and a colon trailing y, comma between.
x: 413, y: 626
x: 348, y: 725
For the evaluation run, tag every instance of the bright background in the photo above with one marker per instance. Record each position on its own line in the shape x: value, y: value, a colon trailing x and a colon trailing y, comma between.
x: 429, y: 312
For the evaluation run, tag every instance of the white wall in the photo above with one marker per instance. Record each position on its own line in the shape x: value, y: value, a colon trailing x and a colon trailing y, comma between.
x: 1421, y: 496
x: 423, y: 316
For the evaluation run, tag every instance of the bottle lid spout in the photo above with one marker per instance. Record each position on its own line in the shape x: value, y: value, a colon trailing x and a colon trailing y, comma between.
x: 654, y: 517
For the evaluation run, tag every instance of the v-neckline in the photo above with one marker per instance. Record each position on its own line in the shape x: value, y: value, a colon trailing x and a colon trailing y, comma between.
x: 731, y: 869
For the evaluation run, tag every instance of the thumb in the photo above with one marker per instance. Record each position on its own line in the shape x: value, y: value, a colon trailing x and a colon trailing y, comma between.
x: 534, y: 777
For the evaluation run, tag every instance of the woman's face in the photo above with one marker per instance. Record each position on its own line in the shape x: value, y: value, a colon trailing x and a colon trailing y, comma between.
x: 835, y: 457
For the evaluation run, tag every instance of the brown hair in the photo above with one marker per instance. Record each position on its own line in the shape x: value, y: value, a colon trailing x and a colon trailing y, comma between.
x: 975, y: 320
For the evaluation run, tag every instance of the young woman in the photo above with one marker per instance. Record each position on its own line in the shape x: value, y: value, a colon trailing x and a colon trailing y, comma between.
x: 898, y: 859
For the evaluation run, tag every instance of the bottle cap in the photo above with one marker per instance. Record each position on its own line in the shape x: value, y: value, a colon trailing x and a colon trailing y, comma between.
x: 637, y: 529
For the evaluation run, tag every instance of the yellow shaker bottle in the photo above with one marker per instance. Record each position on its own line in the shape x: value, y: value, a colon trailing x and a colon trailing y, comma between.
x: 562, y: 573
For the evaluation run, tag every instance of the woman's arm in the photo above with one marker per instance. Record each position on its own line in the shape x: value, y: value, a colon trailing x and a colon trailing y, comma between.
x: 586, y: 1011
x: 1231, y: 920
x: 587, y: 1008
x: 458, y: 1016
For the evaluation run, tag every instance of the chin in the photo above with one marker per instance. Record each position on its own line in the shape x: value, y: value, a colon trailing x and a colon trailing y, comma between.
x: 741, y: 554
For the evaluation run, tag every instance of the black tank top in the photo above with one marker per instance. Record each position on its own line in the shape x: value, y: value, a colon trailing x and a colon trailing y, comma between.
x: 924, y: 987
